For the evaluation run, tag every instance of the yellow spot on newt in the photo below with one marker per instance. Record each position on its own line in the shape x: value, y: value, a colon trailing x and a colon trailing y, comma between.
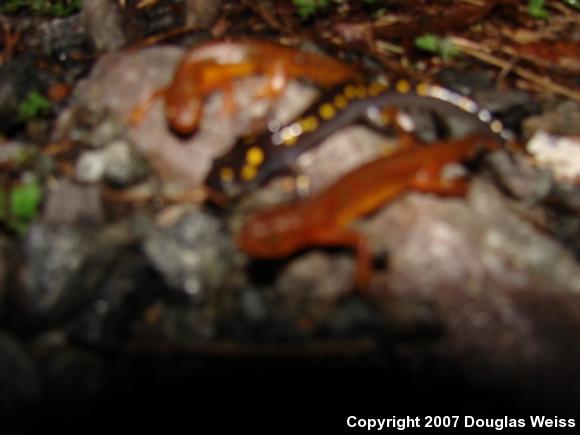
x: 350, y: 91
x: 422, y: 89
x: 248, y: 172
x: 327, y: 111
x: 226, y: 174
x: 310, y: 123
x: 361, y: 91
x: 403, y: 86
x: 340, y: 101
x: 255, y: 156
x: 375, y: 88
x: 290, y: 140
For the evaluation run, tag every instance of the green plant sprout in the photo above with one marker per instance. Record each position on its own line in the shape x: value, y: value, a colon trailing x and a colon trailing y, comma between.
x: 434, y: 44
x: 19, y: 205
x: 33, y: 106
x: 536, y: 9
x: 307, y: 8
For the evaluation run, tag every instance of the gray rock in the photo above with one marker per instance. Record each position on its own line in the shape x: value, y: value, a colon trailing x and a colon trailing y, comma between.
x: 201, y: 13
x: 103, y: 22
x: 194, y: 255
x: 20, y: 380
x: 74, y: 373
x: 69, y: 203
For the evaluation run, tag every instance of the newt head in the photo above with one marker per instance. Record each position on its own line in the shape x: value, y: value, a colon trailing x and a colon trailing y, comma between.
x: 272, y: 233
x: 183, y: 106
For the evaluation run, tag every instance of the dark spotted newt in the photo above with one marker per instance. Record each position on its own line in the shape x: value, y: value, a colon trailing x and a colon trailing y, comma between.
x: 252, y: 161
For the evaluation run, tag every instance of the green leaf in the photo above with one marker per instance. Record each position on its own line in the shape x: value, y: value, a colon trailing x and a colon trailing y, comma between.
x: 33, y: 106
x: 434, y: 44
x: 306, y: 8
x: 24, y: 200
x: 536, y: 9
x: 19, y: 205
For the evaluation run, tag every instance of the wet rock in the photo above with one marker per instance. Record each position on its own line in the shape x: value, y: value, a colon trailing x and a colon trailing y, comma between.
x: 317, y: 276
x: 90, y: 167
x: 74, y: 374
x: 201, y: 13
x: 12, y: 152
x: 308, y: 291
x: 115, y: 300
x: 169, y: 325
x: 253, y: 306
x: 118, y: 163
x: 561, y: 154
x: 103, y: 22
x: 466, y: 82
x: 57, y: 35
x: 521, y: 179
x: 63, y: 266
x: 563, y: 119
x: 20, y: 380
x: 477, y: 264
x: 123, y: 164
x: 194, y: 255
x: 53, y: 255
x: 69, y: 203
x: 495, y: 245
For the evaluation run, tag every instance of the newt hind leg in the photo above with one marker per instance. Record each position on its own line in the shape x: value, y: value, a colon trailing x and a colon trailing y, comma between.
x: 350, y: 239
x: 139, y: 111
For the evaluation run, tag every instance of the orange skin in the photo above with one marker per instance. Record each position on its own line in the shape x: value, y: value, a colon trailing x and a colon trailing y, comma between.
x: 214, y: 65
x: 324, y: 220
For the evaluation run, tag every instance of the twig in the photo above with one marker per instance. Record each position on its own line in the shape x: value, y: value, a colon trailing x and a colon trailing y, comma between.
x: 476, y: 50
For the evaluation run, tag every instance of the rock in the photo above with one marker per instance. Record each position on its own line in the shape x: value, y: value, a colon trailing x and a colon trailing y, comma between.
x: 123, y: 164
x: 63, y: 267
x: 563, y: 119
x: 169, y: 325
x: 74, y: 373
x: 103, y: 22
x: 115, y: 300
x: 487, y: 275
x: 201, y: 13
x: 194, y: 255
x: 20, y: 380
x: 522, y: 180
x: 70, y: 203
x: 90, y: 167
x: 58, y: 34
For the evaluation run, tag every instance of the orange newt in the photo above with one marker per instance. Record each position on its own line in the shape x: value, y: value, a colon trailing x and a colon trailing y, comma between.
x: 214, y: 65
x: 324, y: 220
